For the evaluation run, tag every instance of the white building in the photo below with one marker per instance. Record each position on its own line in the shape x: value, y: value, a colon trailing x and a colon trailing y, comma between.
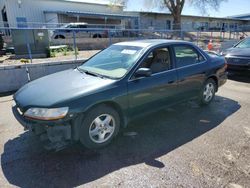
x: 164, y: 21
x: 21, y: 13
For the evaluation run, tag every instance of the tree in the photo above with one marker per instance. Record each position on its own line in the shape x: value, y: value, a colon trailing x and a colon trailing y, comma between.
x: 176, y: 6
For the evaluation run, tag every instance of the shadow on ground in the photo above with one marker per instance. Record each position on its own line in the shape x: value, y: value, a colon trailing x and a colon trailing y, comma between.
x: 26, y: 164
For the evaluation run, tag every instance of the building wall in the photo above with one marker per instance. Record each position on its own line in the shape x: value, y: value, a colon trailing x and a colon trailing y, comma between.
x: 154, y: 21
x: 70, y: 19
x: 33, y: 10
x: 189, y: 23
x: 51, y: 18
x: 192, y: 22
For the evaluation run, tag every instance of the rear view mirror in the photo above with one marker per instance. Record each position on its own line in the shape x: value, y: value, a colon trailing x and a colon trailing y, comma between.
x: 143, y: 72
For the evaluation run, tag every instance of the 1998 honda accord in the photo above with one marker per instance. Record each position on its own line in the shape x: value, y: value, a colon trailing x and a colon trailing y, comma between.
x: 93, y: 102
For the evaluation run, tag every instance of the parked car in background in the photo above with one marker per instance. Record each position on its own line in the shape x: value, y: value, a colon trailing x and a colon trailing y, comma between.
x: 82, y: 30
x: 94, y: 101
x: 238, y: 57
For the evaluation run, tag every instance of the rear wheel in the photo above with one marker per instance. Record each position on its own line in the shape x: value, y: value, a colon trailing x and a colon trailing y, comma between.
x: 99, y: 127
x: 208, y: 92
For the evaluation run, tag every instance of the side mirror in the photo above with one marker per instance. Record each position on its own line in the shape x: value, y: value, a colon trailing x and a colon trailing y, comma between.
x: 143, y: 72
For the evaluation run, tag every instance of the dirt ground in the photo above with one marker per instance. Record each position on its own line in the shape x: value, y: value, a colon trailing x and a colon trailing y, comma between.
x: 182, y: 146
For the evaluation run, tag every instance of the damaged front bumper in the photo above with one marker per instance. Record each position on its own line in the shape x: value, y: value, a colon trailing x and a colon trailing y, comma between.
x: 55, y: 134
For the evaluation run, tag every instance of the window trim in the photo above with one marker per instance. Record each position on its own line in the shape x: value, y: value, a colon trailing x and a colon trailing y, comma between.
x: 169, y: 46
x: 172, y: 54
x: 192, y: 47
x: 202, y: 62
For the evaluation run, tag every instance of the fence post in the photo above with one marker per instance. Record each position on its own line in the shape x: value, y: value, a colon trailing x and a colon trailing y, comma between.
x: 197, y: 38
x: 30, y: 54
x: 74, y: 39
x: 110, y: 39
x: 28, y: 45
x: 182, y: 36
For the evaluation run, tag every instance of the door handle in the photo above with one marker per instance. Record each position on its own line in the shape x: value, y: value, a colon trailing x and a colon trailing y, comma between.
x: 171, y: 82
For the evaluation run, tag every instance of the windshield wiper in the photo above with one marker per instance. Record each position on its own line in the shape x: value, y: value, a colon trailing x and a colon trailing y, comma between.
x: 89, y: 73
x: 95, y: 74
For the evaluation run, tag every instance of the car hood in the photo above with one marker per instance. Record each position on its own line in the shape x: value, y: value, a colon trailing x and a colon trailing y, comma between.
x: 242, y: 52
x: 57, y: 88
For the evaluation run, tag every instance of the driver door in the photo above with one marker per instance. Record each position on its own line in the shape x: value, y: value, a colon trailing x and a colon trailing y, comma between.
x: 151, y: 93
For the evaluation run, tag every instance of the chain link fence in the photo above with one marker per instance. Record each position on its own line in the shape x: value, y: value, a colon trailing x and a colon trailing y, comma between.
x: 36, y: 42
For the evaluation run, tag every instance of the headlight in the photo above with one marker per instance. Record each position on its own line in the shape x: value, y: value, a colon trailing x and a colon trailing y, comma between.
x: 46, y: 113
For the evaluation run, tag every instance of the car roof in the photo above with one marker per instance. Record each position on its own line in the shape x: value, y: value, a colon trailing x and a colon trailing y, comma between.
x: 151, y: 42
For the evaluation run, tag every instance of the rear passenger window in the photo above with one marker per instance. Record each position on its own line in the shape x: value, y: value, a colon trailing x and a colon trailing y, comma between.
x: 186, y: 55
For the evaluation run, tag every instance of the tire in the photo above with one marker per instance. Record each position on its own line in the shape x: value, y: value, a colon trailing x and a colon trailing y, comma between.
x: 208, y: 92
x: 100, y: 125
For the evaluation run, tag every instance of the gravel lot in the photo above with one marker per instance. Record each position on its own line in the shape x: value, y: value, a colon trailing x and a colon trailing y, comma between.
x: 182, y: 146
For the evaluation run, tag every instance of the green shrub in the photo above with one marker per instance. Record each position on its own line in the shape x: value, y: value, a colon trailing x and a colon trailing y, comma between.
x: 65, y: 51
x: 53, y: 54
x: 24, y: 61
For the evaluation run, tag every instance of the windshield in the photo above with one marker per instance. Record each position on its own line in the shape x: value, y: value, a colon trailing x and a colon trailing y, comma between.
x: 244, y: 44
x: 113, y: 62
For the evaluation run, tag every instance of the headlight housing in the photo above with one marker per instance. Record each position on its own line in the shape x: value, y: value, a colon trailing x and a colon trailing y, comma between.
x: 46, y: 113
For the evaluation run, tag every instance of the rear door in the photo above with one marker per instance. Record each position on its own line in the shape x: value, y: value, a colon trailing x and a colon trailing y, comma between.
x: 159, y: 89
x: 191, y: 68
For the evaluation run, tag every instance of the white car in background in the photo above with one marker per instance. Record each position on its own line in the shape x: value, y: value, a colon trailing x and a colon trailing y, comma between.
x: 82, y: 30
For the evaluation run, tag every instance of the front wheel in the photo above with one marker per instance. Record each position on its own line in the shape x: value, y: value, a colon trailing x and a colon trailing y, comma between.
x: 207, y: 92
x: 99, y: 127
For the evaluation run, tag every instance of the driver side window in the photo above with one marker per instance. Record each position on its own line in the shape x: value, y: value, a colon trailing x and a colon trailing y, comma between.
x: 158, y: 60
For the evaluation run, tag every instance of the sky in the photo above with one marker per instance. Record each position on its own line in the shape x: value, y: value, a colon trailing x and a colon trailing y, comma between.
x: 228, y: 8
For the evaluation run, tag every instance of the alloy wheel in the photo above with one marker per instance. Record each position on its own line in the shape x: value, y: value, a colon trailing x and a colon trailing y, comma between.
x: 102, y: 128
x: 208, y: 92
